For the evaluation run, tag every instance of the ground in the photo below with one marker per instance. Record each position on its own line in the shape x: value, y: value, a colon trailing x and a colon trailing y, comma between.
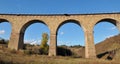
x: 108, y: 52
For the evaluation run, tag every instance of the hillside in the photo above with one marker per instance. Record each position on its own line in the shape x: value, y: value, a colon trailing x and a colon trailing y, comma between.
x: 109, y: 48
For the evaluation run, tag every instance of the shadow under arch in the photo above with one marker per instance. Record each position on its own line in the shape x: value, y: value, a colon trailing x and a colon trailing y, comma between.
x: 113, y: 21
x: 24, y: 27
x: 5, y: 20
x: 60, y: 50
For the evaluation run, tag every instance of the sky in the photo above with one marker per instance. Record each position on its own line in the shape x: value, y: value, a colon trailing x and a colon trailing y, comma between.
x: 69, y: 33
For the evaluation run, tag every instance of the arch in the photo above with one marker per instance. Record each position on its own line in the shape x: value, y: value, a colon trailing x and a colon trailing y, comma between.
x: 4, y: 20
x: 8, y: 31
x: 106, y: 30
x: 24, y: 27
x: 113, y: 21
x: 31, y: 22
x: 60, y: 25
x: 68, y: 21
x: 109, y: 20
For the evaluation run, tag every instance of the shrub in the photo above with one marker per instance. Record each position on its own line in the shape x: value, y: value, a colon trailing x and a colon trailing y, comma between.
x: 28, y: 52
x: 64, y: 51
x: 44, y: 46
x: 13, y: 51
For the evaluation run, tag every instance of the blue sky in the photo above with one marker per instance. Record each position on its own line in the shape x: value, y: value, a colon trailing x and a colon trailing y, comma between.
x: 69, y: 33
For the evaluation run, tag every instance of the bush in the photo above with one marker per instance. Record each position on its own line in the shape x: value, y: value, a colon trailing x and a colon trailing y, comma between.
x: 3, y: 41
x: 13, y: 51
x: 28, y: 52
x: 44, y: 46
x: 64, y: 51
x: 44, y: 51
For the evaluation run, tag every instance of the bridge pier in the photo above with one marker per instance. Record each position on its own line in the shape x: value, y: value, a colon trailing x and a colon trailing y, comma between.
x: 14, y: 41
x: 52, y: 45
x: 89, y: 45
x: 118, y: 26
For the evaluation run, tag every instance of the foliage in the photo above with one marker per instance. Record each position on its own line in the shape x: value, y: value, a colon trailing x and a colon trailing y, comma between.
x: 3, y: 41
x: 28, y: 52
x: 76, y: 46
x: 44, y: 46
x: 64, y: 51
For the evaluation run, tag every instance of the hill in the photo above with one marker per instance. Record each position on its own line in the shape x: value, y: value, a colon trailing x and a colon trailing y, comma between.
x: 109, y: 48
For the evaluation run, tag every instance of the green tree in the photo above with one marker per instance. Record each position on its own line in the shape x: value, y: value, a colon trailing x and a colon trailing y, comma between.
x: 44, y: 46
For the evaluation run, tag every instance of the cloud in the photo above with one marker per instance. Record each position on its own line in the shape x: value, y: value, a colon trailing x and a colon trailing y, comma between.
x: 2, y: 31
x: 33, y: 42
x: 61, y: 33
x: 113, y: 28
x: 63, y: 43
x: 109, y: 36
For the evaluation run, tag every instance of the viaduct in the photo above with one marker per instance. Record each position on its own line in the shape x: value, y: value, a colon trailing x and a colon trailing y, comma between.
x: 20, y: 22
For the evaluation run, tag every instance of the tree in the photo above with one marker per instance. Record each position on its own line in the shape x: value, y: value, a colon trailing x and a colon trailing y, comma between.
x: 44, y: 46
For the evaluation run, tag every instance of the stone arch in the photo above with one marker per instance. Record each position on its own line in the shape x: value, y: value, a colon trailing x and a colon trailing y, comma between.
x: 69, y: 21
x: 65, y: 22
x: 5, y: 20
x: 24, y: 27
x: 113, y: 21
x: 110, y: 20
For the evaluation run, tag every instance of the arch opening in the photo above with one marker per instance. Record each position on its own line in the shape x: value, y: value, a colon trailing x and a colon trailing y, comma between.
x: 70, y: 36
x: 5, y: 32
x: 31, y: 36
x: 105, y: 34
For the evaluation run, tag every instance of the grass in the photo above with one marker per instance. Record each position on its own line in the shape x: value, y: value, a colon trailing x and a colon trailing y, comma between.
x: 7, y: 57
x: 19, y: 57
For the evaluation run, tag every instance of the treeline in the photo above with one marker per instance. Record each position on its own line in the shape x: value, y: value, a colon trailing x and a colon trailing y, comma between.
x: 3, y: 41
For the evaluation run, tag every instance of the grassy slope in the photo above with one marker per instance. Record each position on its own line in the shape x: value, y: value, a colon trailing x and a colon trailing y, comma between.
x: 109, y: 44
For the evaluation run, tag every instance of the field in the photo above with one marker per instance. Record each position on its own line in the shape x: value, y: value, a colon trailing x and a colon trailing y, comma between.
x: 103, y: 50
x: 18, y: 58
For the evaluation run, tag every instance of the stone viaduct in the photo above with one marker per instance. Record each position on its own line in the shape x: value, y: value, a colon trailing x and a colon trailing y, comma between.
x: 20, y: 22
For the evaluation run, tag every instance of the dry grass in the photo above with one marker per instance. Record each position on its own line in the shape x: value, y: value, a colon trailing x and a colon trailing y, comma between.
x: 18, y: 57
x: 8, y: 57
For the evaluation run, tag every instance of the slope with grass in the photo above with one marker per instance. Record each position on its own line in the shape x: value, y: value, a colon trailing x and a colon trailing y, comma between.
x: 109, y: 47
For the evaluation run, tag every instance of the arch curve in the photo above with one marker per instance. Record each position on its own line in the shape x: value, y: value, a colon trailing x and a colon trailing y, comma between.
x: 31, y: 22
x: 110, y: 20
x: 24, y: 27
x: 69, y: 21
x: 5, y: 20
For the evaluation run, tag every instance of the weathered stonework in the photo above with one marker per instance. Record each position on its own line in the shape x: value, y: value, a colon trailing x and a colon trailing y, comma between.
x: 20, y: 22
